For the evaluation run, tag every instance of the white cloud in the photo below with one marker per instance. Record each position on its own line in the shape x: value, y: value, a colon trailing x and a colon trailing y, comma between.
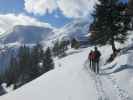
x: 40, y: 6
x: 8, y: 21
x: 76, y: 8
x: 70, y: 8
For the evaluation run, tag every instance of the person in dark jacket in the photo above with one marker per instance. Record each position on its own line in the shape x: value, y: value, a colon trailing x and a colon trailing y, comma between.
x: 90, y: 58
x: 97, y: 59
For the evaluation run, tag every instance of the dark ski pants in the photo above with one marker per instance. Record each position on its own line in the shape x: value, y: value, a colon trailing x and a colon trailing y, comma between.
x: 97, y: 67
x: 93, y: 68
x: 91, y: 64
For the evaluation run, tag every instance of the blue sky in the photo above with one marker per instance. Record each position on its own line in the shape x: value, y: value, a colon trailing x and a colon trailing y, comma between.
x: 17, y: 6
x: 57, y: 15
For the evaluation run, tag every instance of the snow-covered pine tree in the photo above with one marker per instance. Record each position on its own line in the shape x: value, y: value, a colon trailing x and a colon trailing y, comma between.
x: 62, y: 48
x: 13, y: 72
x: 37, y: 55
x: 56, y: 48
x: 48, y: 63
x: 75, y: 43
x: 24, y: 63
x: 110, y: 23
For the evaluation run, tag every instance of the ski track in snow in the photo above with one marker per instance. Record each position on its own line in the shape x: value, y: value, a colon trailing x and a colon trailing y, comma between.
x: 99, y: 87
x: 121, y: 93
x: 98, y: 84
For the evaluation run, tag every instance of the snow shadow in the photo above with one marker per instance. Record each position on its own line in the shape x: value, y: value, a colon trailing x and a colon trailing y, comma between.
x: 123, y: 67
x: 115, y: 70
x: 109, y: 68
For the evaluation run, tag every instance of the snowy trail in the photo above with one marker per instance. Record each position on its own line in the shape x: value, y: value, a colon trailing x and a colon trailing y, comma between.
x: 72, y: 79
x: 100, y: 90
x: 98, y: 83
x: 101, y: 93
x: 123, y: 95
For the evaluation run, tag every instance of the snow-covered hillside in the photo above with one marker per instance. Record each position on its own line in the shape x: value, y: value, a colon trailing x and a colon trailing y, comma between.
x: 27, y: 34
x: 73, y: 80
x: 77, y: 28
x: 31, y: 34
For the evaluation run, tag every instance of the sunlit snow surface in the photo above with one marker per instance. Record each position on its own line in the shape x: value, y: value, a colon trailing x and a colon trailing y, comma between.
x: 73, y: 80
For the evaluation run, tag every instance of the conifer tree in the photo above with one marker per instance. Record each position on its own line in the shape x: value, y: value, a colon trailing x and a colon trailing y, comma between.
x: 24, y: 63
x: 48, y: 63
x: 62, y: 48
x: 37, y: 55
x: 110, y: 23
x: 13, y: 71
x: 75, y: 43
x: 56, y: 48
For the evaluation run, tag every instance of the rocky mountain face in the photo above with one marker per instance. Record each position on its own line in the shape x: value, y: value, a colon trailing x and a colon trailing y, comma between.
x: 27, y: 34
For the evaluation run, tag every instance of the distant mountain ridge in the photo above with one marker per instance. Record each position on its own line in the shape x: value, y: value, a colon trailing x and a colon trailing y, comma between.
x: 77, y: 28
x: 32, y: 34
x: 27, y: 34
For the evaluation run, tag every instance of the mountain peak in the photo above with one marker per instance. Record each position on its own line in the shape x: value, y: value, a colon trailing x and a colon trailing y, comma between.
x: 27, y: 34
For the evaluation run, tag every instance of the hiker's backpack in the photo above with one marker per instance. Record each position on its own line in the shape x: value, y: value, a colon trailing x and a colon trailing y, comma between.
x: 93, y: 56
x: 98, y: 54
x: 90, y: 55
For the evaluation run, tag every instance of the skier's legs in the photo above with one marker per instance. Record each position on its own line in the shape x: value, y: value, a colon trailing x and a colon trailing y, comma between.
x: 94, y: 66
x: 97, y: 66
x: 90, y: 64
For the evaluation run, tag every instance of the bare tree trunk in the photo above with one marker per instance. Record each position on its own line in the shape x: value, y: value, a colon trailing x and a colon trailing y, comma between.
x: 113, y: 45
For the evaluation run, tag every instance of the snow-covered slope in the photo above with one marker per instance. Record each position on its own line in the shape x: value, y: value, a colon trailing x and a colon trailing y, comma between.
x: 77, y: 28
x: 32, y: 34
x: 73, y: 80
x: 68, y: 81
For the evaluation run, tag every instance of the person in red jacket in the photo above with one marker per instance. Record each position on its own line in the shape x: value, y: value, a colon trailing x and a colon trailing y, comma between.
x: 90, y: 58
